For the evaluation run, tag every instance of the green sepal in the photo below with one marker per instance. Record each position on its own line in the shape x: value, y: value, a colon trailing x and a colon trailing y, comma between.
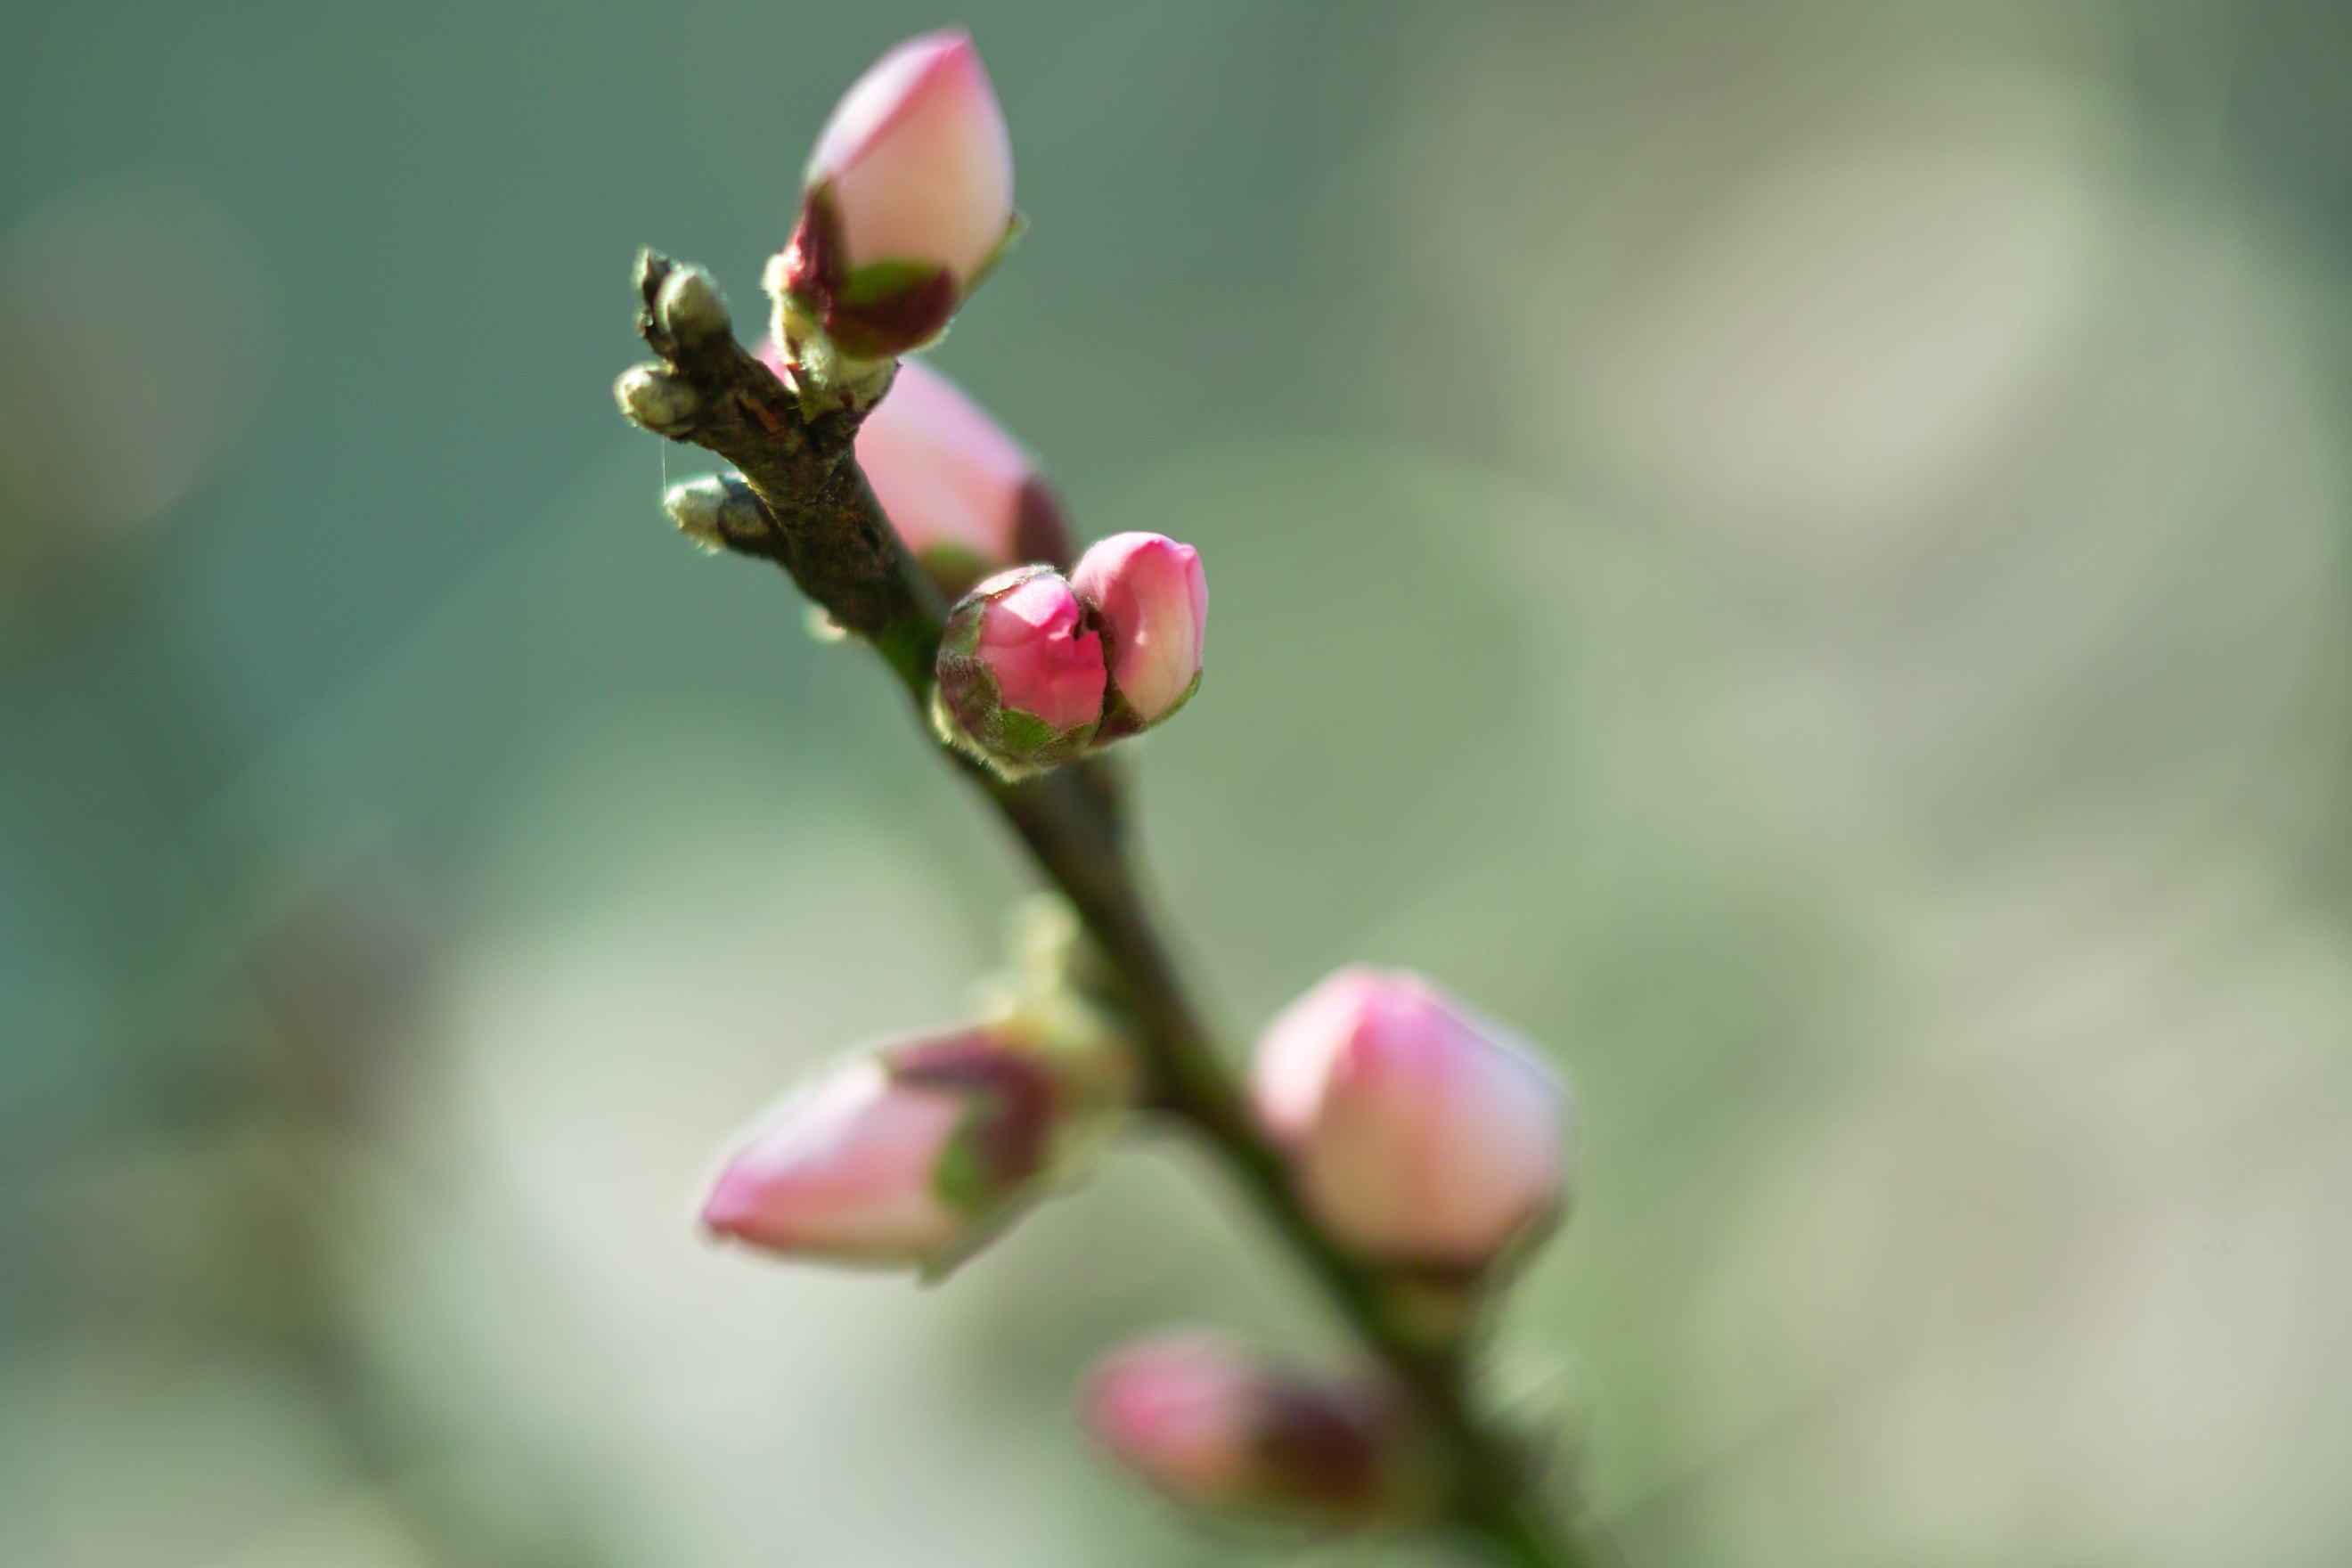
x: 1001, y: 1155
x: 1024, y: 736
x: 880, y: 281
x: 962, y: 1179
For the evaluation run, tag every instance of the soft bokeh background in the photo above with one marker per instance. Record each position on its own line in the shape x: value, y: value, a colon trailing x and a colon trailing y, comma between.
x: 1796, y: 551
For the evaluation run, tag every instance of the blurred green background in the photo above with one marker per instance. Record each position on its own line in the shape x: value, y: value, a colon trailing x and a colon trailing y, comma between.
x: 1797, y: 551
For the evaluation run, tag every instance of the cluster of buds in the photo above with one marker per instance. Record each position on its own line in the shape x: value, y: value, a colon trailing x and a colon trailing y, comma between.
x: 1423, y: 1139
x: 1036, y: 667
x: 1426, y: 1141
x: 966, y: 498
x: 1040, y: 658
x: 907, y: 203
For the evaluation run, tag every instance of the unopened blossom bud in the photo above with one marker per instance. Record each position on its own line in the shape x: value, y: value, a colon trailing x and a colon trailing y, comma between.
x: 715, y: 511
x: 690, y: 308
x: 894, y: 1160
x: 1151, y: 599
x: 657, y: 399
x: 908, y: 201
x: 966, y: 498
x: 1421, y: 1133
x: 1021, y: 675
x: 1213, y: 1428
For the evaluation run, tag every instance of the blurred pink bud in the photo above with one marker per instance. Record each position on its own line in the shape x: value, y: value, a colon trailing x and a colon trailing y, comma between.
x: 1020, y: 673
x: 844, y: 1173
x: 1181, y: 1411
x: 1420, y: 1132
x: 892, y: 1160
x: 1152, y: 602
x: 1210, y: 1426
x: 910, y: 199
x: 961, y: 493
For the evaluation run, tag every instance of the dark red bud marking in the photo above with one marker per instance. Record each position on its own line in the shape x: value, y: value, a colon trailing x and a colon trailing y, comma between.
x: 1014, y: 1101
x: 1321, y: 1445
x: 877, y: 321
x: 871, y: 311
x: 812, y: 260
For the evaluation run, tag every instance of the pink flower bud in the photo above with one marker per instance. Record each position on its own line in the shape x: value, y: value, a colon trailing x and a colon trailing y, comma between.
x: 961, y: 493
x: 1020, y: 676
x: 1212, y: 1427
x: 910, y: 199
x: 893, y: 1160
x: 1152, y: 602
x: 1421, y: 1133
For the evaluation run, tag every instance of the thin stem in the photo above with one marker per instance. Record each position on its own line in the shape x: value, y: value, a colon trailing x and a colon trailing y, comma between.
x: 824, y: 528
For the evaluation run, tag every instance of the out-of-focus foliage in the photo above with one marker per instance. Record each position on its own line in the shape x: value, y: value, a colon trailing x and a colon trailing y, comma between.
x: 1795, y: 552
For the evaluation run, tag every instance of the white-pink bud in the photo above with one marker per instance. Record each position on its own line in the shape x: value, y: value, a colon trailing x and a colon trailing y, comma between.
x: 1213, y: 1428
x: 964, y: 496
x: 910, y: 199
x: 1420, y: 1132
x: 890, y: 1161
x: 1152, y: 600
